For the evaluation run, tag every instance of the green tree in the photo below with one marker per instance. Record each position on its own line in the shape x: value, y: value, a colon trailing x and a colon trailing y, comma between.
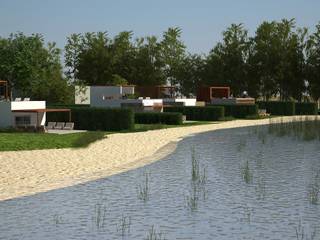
x: 32, y: 68
x: 173, y: 53
x: 227, y: 61
x: 189, y: 74
x: 313, y: 63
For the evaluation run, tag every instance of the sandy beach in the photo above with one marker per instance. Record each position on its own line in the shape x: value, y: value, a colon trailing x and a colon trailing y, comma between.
x: 29, y: 172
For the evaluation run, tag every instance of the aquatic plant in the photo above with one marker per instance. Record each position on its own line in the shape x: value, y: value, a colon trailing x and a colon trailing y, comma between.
x: 301, y: 235
x: 124, y: 225
x: 314, y: 189
x: 261, y: 188
x: 242, y: 144
x: 144, y: 188
x: 247, y: 213
x: 99, y: 217
x: 154, y: 235
x: 193, y: 198
x: 246, y: 172
x: 196, y: 175
x: 314, y: 194
x: 57, y: 219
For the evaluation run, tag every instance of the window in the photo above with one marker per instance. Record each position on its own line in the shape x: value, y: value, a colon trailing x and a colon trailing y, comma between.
x: 23, y: 120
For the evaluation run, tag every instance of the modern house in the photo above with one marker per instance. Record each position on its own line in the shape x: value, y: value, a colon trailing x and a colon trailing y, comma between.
x: 150, y: 98
x: 22, y: 113
x: 221, y: 96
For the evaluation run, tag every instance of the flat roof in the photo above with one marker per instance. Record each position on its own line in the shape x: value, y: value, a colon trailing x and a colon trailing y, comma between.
x: 44, y: 110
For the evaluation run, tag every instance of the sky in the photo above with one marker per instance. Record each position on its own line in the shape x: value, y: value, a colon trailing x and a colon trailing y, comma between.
x: 202, y: 21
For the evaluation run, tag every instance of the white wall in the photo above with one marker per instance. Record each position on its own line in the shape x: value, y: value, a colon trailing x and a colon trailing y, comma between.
x: 5, y: 115
x: 25, y: 105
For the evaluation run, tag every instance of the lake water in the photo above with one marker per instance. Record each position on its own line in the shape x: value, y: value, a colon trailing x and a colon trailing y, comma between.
x: 256, y: 186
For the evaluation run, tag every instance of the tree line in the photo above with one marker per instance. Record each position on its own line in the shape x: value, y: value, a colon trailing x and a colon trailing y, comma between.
x: 279, y: 60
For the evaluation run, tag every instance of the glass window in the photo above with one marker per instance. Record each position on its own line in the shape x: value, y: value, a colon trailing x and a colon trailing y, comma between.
x: 23, y: 120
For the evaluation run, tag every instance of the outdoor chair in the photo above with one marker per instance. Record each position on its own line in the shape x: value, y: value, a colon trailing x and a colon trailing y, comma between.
x: 51, y: 125
x: 59, y: 126
x: 26, y: 99
x: 17, y: 99
x: 68, y: 126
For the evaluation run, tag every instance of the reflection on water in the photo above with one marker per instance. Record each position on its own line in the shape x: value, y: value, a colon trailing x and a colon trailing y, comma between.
x: 249, y: 186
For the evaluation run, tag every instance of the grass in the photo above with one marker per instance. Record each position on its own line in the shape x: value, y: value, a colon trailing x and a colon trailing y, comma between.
x: 16, y: 141
x: 246, y: 172
x: 124, y: 225
x: 144, y: 188
x: 154, y: 235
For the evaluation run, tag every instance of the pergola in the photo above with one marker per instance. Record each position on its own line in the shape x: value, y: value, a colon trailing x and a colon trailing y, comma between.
x: 45, y: 110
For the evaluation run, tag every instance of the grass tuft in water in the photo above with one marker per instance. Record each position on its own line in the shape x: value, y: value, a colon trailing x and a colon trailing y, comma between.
x: 301, y: 235
x: 144, y: 188
x: 246, y: 173
x: 100, y: 214
x: 154, y: 235
x: 124, y: 225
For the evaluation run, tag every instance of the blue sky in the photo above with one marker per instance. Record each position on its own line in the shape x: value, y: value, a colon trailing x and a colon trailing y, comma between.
x: 202, y: 21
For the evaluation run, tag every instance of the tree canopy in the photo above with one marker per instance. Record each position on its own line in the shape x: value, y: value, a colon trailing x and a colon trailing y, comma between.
x: 279, y: 59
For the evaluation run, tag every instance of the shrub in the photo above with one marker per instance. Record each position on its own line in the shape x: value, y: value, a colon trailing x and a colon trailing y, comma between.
x: 199, y: 113
x: 239, y: 111
x: 278, y: 107
x: 104, y: 119
x: 306, y: 109
x: 158, y: 118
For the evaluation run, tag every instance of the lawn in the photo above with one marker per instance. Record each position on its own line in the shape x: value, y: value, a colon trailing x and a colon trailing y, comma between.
x: 15, y: 141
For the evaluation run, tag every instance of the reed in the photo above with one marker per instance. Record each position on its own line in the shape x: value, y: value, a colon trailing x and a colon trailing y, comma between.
x: 124, y: 225
x: 99, y: 217
x: 144, y: 188
x: 246, y: 173
x: 154, y: 235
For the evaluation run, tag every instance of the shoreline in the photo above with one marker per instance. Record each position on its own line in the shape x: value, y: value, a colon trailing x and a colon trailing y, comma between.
x: 30, y: 172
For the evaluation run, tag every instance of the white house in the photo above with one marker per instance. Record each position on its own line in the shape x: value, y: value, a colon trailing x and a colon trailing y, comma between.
x: 119, y: 96
x: 22, y: 113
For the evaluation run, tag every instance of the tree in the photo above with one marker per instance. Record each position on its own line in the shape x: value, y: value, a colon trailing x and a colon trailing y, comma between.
x: 276, y: 63
x: 30, y: 67
x: 313, y: 63
x: 189, y: 74
x: 148, y: 64
x: 173, y: 53
x: 226, y: 63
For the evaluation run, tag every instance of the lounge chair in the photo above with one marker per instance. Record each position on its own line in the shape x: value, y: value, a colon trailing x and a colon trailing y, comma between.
x: 68, y: 126
x: 51, y: 125
x: 18, y: 99
x: 26, y: 99
x: 59, y: 126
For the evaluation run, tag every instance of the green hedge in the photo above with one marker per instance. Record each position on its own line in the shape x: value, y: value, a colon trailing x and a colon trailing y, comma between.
x: 306, y: 109
x: 104, y: 119
x: 239, y: 111
x: 278, y: 107
x: 158, y: 118
x: 199, y: 113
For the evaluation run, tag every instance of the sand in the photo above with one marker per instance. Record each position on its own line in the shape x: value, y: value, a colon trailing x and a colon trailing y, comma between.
x: 25, y: 173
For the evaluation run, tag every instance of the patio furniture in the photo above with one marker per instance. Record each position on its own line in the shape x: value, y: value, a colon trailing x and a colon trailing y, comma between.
x: 26, y: 99
x: 18, y: 99
x: 51, y: 125
x: 59, y: 125
x: 68, y: 126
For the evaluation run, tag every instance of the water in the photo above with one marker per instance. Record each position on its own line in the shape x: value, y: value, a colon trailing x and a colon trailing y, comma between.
x: 274, y: 204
